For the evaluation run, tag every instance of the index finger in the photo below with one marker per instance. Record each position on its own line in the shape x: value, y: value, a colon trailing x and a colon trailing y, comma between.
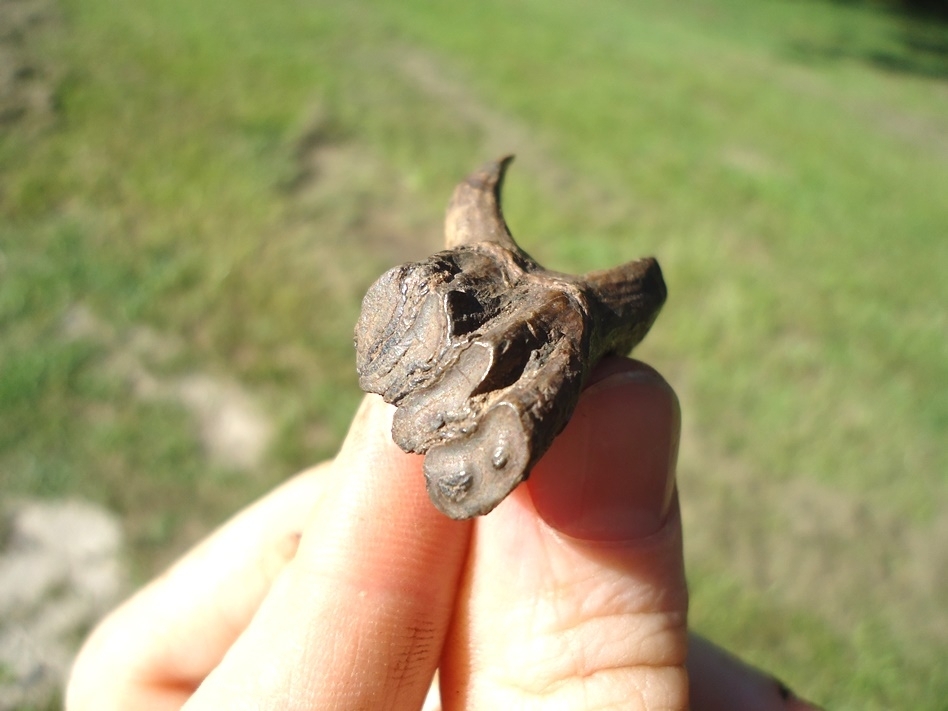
x: 358, y: 618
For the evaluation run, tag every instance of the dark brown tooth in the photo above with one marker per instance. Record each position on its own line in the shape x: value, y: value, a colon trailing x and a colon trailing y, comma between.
x: 485, y: 352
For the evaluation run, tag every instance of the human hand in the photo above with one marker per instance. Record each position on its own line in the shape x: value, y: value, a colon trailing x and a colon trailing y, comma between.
x: 346, y: 589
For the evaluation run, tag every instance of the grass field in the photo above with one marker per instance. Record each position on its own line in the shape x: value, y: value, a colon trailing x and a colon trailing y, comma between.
x: 193, y: 207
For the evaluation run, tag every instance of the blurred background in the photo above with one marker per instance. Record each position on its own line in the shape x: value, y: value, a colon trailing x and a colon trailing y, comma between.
x: 195, y: 196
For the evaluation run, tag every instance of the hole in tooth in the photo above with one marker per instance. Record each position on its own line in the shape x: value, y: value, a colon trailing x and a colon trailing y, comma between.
x: 465, y: 312
x: 456, y: 486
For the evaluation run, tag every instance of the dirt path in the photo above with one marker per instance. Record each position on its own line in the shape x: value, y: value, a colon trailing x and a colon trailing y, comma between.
x: 502, y: 134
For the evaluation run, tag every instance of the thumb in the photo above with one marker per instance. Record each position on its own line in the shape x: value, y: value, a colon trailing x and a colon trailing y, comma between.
x: 574, y: 592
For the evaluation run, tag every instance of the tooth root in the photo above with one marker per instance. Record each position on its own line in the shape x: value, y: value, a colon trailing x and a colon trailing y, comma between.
x: 474, y: 213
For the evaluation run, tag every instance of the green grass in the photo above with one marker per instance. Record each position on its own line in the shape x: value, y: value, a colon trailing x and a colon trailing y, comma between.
x: 227, y: 179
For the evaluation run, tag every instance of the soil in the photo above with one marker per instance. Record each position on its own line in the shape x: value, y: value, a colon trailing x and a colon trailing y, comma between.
x: 233, y: 428
x: 502, y: 134
x: 27, y: 80
x: 60, y: 571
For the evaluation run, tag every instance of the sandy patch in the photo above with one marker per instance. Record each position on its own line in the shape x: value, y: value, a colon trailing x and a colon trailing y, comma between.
x: 234, y: 429
x: 60, y: 571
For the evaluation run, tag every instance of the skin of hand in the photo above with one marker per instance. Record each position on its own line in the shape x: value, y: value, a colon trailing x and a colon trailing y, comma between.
x: 346, y: 589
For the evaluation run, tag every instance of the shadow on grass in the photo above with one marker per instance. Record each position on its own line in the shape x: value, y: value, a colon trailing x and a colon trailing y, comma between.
x: 923, y: 9
x: 914, y: 43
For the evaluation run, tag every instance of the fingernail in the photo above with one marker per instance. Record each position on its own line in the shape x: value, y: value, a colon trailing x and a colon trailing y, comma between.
x: 609, y: 476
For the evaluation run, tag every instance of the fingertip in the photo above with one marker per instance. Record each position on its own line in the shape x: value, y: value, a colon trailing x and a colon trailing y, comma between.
x: 582, y: 567
x: 613, y: 365
x: 721, y: 682
x: 359, y: 614
x: 610, y: 475
x: 370, y: 430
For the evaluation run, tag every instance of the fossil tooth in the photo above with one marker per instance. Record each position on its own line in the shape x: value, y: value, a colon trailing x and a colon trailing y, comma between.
x: 485, y: 352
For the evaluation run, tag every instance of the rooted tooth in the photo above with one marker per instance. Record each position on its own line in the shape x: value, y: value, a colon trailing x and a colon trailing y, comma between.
x: 485, y: 352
